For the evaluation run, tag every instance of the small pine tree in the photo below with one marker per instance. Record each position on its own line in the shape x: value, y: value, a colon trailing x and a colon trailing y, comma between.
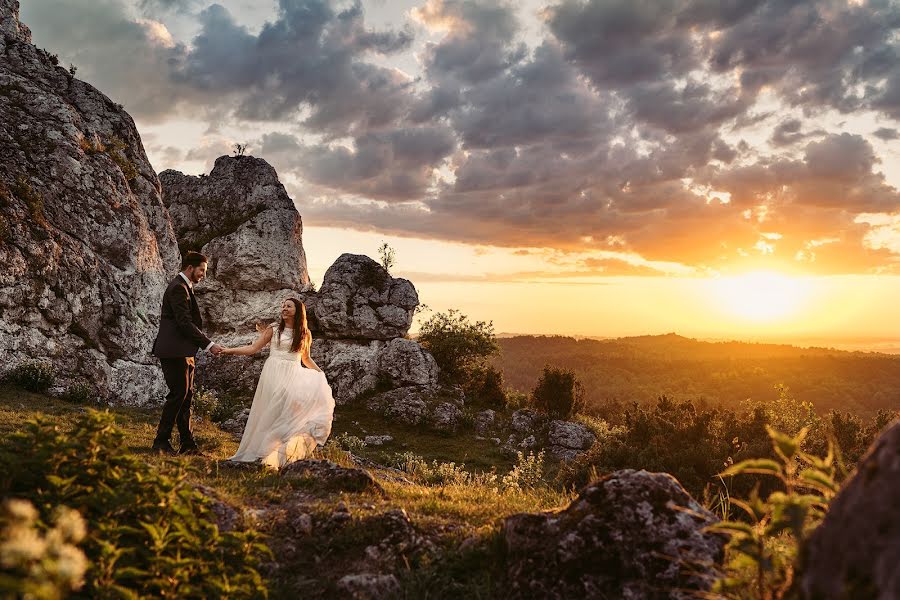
x: 558, y: 393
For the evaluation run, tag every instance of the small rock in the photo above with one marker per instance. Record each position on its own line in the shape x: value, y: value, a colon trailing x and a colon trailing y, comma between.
x: 446, y: 417
x: 368, y: 586
x: 304, y: 524
x: 528, y: 443
x: 523, y: 420
x: 332, y: 475
x: 378, y: 440
x: 485, y: 420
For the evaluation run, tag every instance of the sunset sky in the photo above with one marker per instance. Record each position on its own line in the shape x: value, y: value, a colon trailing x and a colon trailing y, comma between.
x: 721, y: 169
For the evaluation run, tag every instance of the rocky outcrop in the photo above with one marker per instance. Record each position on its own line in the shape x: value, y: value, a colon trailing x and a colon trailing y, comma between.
x: 568, y: 439
x: 360, y: 300
x: 354, y: 367
x: 85, y: 241
x: 632, y: 534
x: 242, y: 218
x: 332, y: 476
x: 854, y: 553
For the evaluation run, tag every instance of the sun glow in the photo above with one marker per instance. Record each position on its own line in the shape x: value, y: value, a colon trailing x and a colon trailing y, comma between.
x: 761, y: 295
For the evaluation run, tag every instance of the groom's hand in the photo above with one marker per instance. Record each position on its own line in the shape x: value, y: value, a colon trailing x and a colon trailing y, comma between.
x: 216, y: 349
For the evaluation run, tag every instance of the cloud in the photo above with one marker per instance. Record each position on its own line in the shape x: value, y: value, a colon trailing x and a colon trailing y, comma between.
x: 127, y: 58
x: 310, y: 57
x: 395, y: 164
x: 886, y: 133
x: 691, y: 132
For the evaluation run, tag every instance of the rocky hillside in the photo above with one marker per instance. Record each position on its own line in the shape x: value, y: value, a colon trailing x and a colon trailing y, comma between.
x: 85, y: 241
x: 241, y: 217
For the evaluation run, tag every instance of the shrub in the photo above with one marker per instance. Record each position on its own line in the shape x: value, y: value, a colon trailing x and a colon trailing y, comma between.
x: 38, y: 561
x: 348, y: 442
x: 558, y: 393
x: 81, y: 393
x: 514, y: 399
x: 33, y: 376
x: 387, y: 255
x: 458, y: 346
x: 528, y: 472
x: 485, y: 387
x: 149, y: 532
x: 436, y: 473
x: 205, y: 403
x: 762, y: 550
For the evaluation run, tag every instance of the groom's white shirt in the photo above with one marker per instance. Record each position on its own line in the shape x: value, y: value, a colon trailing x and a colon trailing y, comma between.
x: 191, y: 285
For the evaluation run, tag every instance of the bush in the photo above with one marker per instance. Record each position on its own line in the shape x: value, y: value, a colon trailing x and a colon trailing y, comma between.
x: 436, y: 473
x: 81, y: 393
x: 33, y: 376
x: 149, y: 532
x: 558, y: 393
x: 205, y: 403
x: 37, y: 561
x: 763, y: 547
x: 458, y: 346
x: 348, y: 442
x: 528, y: 472
x: 484, y: 387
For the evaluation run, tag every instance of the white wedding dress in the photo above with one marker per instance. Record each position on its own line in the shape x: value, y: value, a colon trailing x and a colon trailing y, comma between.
x: 291, y: 412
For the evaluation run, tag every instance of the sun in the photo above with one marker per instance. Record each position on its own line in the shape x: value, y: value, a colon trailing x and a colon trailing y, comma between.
x: 761, y: 296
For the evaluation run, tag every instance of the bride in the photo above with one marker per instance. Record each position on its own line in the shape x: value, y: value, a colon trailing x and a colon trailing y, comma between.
x: 293, y: 406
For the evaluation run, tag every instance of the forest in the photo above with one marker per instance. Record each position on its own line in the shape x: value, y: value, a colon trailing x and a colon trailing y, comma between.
x: 715, y: 374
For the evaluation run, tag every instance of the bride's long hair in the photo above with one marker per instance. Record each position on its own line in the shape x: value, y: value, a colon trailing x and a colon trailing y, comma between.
x: 302, y: 336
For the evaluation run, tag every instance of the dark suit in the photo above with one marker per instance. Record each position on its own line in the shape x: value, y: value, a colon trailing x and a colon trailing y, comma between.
x: 176, y: 344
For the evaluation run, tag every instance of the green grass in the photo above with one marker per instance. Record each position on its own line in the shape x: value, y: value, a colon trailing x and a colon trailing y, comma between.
x: 478, y: 455
x: 445, y: 514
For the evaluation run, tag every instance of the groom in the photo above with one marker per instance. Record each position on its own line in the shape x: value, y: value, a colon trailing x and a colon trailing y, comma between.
x: 176, y: 344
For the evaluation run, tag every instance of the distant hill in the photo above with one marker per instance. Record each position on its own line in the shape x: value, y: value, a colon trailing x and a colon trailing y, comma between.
x: 721, y: 373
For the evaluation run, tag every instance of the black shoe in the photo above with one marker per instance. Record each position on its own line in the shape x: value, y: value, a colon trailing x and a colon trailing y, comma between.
x: 163, y: 448
x: 191, y: 451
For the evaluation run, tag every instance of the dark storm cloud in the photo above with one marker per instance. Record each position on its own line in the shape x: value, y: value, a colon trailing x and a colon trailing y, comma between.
x: 156, y: 7
x: 622, y: 128
x: 480, y: 43
x: 886, y: 133
x: 789, y: 131
x: 396, y: 164
x: 310, y: 56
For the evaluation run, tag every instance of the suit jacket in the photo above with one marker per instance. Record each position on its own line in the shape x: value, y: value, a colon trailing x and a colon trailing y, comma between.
x: 179, y: 323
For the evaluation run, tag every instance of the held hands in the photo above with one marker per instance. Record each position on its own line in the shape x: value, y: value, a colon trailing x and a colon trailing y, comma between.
x: 217, y: 350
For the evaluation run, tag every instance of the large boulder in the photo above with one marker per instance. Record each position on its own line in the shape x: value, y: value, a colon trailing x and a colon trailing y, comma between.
x: 85, y: 240
x: 359, y: 299
x: 855, y: 552
x: 632, y: 534
x: 355, y: 367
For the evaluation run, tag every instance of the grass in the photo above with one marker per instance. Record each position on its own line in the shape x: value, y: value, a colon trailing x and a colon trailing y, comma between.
x: 447, y: 515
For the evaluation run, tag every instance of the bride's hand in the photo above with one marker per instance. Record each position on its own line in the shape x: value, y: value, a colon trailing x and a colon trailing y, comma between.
x: 227, y: 351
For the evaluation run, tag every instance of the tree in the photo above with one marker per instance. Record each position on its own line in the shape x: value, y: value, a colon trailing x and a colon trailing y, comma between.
x: 558, y: 393
x: 387, y: 255
x: 458, y: 346
x: 239, y: 150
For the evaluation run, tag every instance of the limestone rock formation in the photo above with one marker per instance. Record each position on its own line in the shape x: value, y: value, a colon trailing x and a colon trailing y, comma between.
x: 632, y: 534
x: 855, y: 552
x: 569, y: 439
x: 85, y: 241
x: 359, y: 299
x: 242, y: 218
